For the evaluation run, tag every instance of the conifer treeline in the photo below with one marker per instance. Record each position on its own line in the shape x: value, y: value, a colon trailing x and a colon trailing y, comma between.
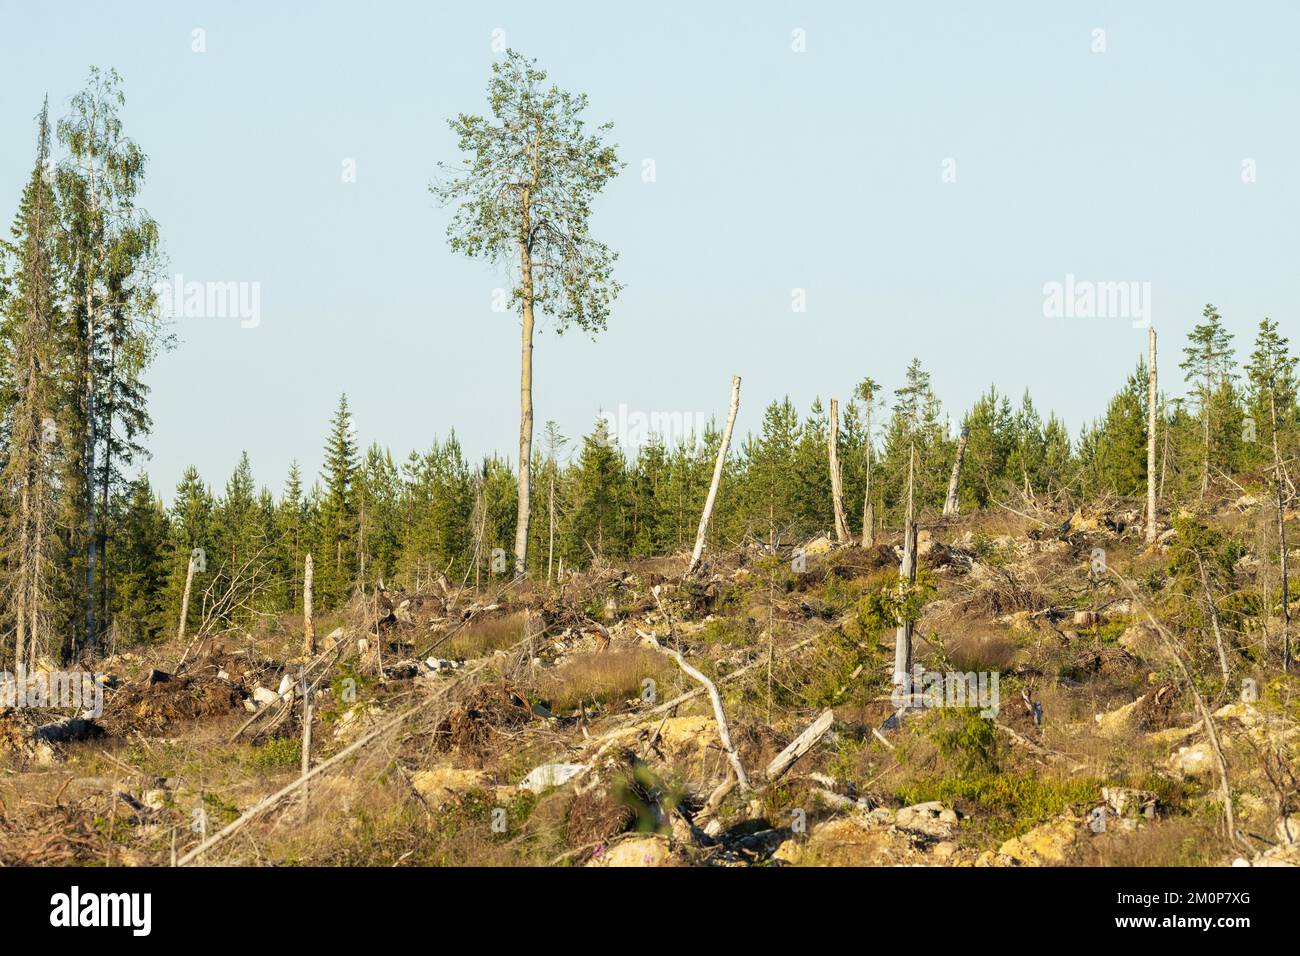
x: 77, y: 330
x: 94, y: 559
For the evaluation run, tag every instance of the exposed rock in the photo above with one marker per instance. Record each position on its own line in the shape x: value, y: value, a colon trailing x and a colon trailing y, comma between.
x: 1144, y: 642
x: 441, y: 785
x: 1080, y: 523
x: 849, y: 841
x: 1248, y: 564
x: 640, y: 851
x: 1125, y: 801
x: 820, y: 545
x: 1195, y: 762
x: 1264, y: 729
x: 548, y: 775
x: 989, y: 858
x: 690, y: 746
x: 932, y: 819
x: 1149, y: 711
x: 943, y: 850
x: 1286, y: 854
x: 1046, y: 845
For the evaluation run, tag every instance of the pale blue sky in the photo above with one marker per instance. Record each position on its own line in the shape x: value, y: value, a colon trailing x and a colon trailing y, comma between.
x: 775, y: 170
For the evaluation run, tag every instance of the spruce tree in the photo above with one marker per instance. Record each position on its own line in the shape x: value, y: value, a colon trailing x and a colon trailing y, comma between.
x: 1207, y: 364
x: 31, y: 386
x: 336, y: 557
x: 110, y: 246
x: 140, y: 536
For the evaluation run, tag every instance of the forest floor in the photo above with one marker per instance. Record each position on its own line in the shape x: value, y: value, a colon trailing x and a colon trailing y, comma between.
x: 532, y: 724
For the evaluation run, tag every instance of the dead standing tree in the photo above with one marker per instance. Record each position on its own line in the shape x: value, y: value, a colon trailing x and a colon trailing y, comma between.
x: 950, y: 502
x: 308, y: 626
x: 837, y: 478
x: 1151, y: 435
x: 703, y: 531
x: 867, y: 392
x: 197, y: 558
x: 906, y: 581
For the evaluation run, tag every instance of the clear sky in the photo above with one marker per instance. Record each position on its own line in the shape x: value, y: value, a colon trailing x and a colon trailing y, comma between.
x: 775, y: 170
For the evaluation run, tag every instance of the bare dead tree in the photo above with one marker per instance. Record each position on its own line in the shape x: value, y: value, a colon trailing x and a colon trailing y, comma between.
x: 308, y: 625
x: 906, y: 581
x: 950, y: 503
x: 1151, y: 435
x: 703, y: 531
x: 185, y: 596
x: 837, y: 478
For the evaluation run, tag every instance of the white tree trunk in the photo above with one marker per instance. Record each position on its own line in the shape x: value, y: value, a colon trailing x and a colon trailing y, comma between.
x: 1151, y: 435
x: 306, y: 733
x: 523, y: 513
x: 906, y: 581
x: 837, y: 478
x: 185, y: 598
x: 308, y: 625
x: 950, y: 503
x: 717, y: 476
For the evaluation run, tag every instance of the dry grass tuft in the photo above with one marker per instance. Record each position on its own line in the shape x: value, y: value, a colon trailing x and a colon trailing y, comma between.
x: 609, y: 678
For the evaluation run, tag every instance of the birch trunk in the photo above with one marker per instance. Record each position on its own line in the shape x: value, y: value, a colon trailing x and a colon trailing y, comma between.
x: 525, y: 396
x: 1151, y: 435
x: 703, y: 531
x: 185, y: 598
x: 308, y: 626
x: 837, y: 478
x: 950, y: 502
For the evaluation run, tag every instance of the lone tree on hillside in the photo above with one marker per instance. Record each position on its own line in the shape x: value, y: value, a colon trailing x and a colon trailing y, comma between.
x: 523, y: 195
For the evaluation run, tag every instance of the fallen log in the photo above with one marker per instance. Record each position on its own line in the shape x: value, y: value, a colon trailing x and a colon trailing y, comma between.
x: 800, y: 746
